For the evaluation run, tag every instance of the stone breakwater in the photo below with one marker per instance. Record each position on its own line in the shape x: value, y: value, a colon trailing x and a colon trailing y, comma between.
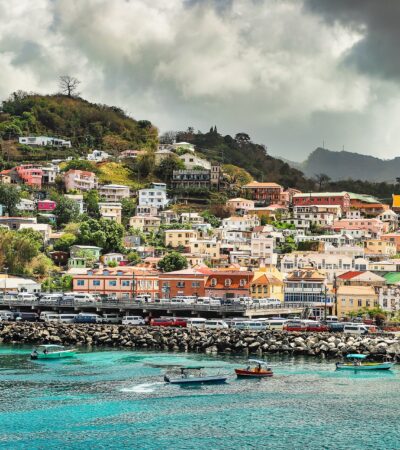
x: 195, y: 340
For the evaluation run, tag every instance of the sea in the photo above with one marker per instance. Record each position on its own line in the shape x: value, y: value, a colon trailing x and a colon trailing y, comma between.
x: 117, y: 399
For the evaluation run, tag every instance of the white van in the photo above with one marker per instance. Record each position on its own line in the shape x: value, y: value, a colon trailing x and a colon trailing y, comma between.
x: 6, y: 315
x: 331, y: 319
x: 67, y: 318
x: 84, y: 297
x: 203, y: 300
x: 50, y: 299
x: 254, y: 325
x: 215, y: 302
x: 215, y: 324
x: 355, y: 328
x: 133, y: 320
x: 196, y: 322
x: 276, y: 324
x: 49, y: 316
x: 111, y: 318
x: 26, y: 297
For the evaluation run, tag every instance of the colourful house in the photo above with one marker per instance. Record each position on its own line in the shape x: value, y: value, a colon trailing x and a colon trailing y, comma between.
x: 266, y: 193
x: 323, y: 198
x: 29, y: 174
x: 46, y: 205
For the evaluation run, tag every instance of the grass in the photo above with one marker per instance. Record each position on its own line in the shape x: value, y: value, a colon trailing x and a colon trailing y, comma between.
x: 117, y: 173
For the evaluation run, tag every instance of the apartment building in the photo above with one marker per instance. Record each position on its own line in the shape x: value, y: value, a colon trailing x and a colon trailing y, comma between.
x: 147, y: 224
x: 354, y: 298
x: 266, y: 193
x: 179, y: 238
x: 111, y: 211
x: 80, y: 180
x: 323, y: 198
x: 114, y: 192
x: 155, y: 196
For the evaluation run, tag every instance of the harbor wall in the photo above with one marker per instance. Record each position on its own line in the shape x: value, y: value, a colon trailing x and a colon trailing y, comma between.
x: 228, y: 341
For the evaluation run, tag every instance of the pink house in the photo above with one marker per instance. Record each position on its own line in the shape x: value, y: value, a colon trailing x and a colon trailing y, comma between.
x: 80, y: 180
x: 46, y: 205
x: 29, y: 174
x: 323, y: 198
x: 373, y: 226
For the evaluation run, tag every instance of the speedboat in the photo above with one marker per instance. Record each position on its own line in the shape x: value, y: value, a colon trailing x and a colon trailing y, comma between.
x: 260, y: 369
x: 187, y: 378
x: 52, y: 352
x: 356, y: 362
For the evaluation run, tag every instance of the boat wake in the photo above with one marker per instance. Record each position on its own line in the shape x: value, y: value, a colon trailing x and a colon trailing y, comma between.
x: 142, y: 388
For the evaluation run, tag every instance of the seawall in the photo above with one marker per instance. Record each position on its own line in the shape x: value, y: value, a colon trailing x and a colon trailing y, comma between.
x: 230, y: 341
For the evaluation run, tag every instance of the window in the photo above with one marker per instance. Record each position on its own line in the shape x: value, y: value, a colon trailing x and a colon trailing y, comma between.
x: 196, y: 284
x: 96, y: 282
x: 112, y: 283
x: 359, y: 302
x: 213, y: 282
x: 242, y: 282
x: 125, y: 283
x: 228, y: 282
x: 180, y: 284
x: 81, y: 282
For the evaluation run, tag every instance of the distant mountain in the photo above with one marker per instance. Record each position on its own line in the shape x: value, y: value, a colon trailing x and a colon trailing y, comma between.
x: 344, y: 165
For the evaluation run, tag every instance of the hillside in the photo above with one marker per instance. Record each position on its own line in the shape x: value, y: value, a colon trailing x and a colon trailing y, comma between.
x: 343, y: 165
x: 86, y: 124
x: 241, y: 151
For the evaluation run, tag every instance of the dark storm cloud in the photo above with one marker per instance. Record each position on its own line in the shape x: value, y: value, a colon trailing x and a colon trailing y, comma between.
x: 377, y: 53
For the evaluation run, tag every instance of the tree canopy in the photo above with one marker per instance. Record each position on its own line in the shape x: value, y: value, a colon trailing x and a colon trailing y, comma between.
x: 103, y: 233
x: 173, y: 261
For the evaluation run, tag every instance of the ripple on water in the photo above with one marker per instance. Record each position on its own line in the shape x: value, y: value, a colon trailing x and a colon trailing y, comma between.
x: 117, y: 399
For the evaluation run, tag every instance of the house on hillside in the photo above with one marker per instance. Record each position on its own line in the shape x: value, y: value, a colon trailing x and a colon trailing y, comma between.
x: 265, y: 193
x: 80, y: 180
x: 44, y: 141
x: 191, y: 161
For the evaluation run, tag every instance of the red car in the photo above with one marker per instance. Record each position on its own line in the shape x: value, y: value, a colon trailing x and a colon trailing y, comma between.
x: 168, y: 322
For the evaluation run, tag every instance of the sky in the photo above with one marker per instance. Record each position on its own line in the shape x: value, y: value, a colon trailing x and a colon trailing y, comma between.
x: 293, y: 74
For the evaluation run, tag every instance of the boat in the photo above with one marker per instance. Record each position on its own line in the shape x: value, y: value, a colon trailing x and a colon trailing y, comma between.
x: 187, y: 379
x: 260, y: 369
x: 356, y: 362
x: 51, y: 351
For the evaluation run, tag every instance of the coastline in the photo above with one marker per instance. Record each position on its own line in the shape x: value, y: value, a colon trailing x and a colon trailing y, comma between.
x: 231, y: 341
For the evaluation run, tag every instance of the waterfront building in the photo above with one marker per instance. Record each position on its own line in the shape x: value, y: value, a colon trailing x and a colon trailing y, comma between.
x: 187, y: 282
x: 354, y: 298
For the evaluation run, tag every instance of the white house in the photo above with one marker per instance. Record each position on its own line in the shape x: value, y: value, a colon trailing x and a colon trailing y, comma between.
x: 114, y: 192
x: 43, y: 141
x: 242, y: 223
x: 263, y: 249
x: 155, y: 196
x: 26, y: 205
x: 185, y: 145
x: 98, y: 156
x: 191, y: 161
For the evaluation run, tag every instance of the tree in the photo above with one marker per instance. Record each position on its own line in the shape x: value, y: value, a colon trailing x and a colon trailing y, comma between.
x: 17, y: 250
x: 211, y: 219
x: 173, y: 261
x: 80, y: 164
x: 10, y: 196
x: 67, y: 210
x: 103, y: 233
x: 322, y: 180
x: 242, y: 138
x: 166, y: 167
x: 69, y: 85
x: 91, y: 199
x: 65, y: 242
x: 133, y: 258
x: 128, y: 209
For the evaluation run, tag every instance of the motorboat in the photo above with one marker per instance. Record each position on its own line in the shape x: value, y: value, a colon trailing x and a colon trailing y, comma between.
x: 255, y: 369
x: 194, y: 375
x: 357, y: 362
x: 51, y: 351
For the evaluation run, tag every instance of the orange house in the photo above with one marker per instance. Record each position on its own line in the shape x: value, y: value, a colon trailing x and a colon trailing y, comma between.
x: 228, y: 283
x: 187, y: 282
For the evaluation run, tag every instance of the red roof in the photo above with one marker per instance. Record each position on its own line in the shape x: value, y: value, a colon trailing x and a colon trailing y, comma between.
x: 349, y: 275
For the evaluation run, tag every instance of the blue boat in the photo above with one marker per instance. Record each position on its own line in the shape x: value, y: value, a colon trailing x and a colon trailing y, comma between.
x: 187, y: 379
x: 356, y: 362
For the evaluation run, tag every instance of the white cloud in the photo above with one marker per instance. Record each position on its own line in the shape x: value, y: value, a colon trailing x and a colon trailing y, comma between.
x: 267, y: 67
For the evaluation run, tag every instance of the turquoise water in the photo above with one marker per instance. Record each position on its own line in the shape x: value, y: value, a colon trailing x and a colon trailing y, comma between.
x: 117, y: 399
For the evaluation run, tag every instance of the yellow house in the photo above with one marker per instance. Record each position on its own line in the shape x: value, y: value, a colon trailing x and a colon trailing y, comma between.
x: 378, y: 247
x: 111, y: 211
x: 267, y: 285
x: 177, y: 238
x: 146, y: 224
x: 354, y: 298
x: 209, y: 248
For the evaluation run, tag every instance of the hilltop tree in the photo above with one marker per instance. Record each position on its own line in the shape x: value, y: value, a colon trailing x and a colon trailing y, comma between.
x: 69, y: 85
x: 166, y: 167
x: 322, y: 180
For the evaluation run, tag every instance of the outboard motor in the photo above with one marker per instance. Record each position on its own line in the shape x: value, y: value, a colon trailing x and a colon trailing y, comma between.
x: 34, y: 355
x: 166, y: 378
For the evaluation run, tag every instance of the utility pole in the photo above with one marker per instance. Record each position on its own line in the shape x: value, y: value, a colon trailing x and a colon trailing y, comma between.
x: 335, y: 293
x: 325, y: 298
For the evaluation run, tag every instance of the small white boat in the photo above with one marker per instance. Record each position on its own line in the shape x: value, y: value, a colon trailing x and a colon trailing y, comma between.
x: 356, y: 362
x: 187, y: 379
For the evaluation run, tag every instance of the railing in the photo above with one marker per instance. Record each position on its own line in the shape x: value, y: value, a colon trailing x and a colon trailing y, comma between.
x: 124, y: 305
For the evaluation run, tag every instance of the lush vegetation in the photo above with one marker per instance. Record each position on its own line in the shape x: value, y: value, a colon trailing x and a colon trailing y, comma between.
x: 172, y: 261
x: 86, y: 124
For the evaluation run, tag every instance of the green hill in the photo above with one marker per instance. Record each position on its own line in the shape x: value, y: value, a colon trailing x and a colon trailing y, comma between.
x: 242, y: 152
x: 86, y: 124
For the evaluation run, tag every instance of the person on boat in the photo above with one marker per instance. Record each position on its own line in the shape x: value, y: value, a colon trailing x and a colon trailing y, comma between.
x: 34, y: 354
x: 45, y: 351
x: 259, y: 368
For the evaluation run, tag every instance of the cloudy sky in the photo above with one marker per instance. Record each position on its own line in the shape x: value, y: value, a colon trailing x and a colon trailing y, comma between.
x: 291, y: 73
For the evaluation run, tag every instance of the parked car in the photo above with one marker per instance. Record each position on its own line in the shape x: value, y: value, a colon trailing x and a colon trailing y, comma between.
x: 358, y: 328
x: 26, y: 297
x: 6, y: 315
x: 133, y: 320
x: 67, y: 318
x: 316, y: 327
x: 168, y: 322
x: 26, y: 317
x: 87, y: 318
x: 336, y: 326
x: 49, y: 316
x: 215, y: 324
x: 84, y: 297
x: 50, y: 299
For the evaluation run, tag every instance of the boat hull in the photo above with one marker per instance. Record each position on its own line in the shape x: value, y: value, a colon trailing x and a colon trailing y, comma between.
x: 242, y: 373
x: 197, y: 380
x: 55, y: 355
x: 364, y: 367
